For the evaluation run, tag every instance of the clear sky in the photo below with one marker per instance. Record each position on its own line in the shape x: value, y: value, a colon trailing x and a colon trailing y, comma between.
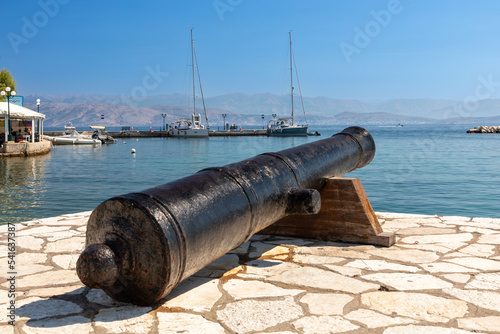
x: 350, y: 49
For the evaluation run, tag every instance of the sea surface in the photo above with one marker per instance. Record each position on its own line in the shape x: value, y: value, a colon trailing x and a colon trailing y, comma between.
x: 420, y: 169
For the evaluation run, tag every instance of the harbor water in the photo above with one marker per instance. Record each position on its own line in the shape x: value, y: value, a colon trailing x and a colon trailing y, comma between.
x: 421, y: 169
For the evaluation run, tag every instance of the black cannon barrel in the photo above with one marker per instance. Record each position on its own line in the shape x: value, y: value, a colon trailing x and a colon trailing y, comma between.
x: 141, y: 245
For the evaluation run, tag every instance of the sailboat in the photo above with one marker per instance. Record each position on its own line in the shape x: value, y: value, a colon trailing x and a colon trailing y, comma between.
x: 192, y: 127
x: 285, y: 126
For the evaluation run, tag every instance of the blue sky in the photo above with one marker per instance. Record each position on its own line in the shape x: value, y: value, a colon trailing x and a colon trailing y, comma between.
x: 348, y: 49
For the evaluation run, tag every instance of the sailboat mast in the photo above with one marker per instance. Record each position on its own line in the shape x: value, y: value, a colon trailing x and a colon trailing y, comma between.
x: 291, y: 72
x: 192, y: 62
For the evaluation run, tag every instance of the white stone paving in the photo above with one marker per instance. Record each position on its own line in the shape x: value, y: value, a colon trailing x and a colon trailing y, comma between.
x: 442, y: 276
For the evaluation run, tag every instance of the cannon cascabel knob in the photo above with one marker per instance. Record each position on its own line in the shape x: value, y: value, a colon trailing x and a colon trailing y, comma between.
x: 97, y: 267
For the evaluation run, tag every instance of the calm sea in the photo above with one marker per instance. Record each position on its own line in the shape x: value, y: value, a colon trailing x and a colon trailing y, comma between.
x: 417, y: 169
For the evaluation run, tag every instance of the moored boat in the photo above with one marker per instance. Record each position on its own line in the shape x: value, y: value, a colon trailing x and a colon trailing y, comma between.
x: 72, y: 137
x: 191, y: 127
x: 285, y: 126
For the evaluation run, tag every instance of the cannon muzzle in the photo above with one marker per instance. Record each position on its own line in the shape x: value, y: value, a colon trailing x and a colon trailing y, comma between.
x: 141, y: 245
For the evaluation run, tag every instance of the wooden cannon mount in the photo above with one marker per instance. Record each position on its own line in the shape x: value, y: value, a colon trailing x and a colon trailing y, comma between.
x: 345, y: 215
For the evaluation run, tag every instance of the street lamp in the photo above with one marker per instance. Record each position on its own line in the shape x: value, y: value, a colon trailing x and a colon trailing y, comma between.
x: 224, y: 117
x: 163, y: 115
x: 274, y: 115
x: 8, y: 93
x: 38, y: 105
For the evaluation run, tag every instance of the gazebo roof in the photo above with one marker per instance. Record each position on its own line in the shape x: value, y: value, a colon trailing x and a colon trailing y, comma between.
x: 18, y: 112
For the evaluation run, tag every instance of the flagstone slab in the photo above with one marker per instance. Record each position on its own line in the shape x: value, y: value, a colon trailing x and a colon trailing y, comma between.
x: 444, y: 267
x: 98, y: 296
x: 334, y: 251
x: 291, y: 242
x: 29, y: 269
x: 314, y: 259
x: 439, y: 238
x: 326, y: 303
x: 71, y: 221
x: 378, y: 265
x: 29, y: 242
x: 57, y: 291
x: 195, y: 293
x: 458, y: 278
x: 62, y: 235
x: 265, y: 268
x: 185, y: 323
x: 218, y: 267
x: 70, y: 245
x: 261, y: 249
x: 485, y: 281
x: 373, y: 319
x: 486, y: 299
x: 346, y: 271
x: 35, y: 308
x: 425, y: 230
x: 58, y: 277
x: 323, y: 325
x: 125, y: 319
x: 441, y: 248
x: 41, y: 231
x: 27, y: 257
x: 492, y: 239
x: 476, y: 263
x: 322, y: 279
x: 417, y: 306
x: 413, y: 329
x: 245, y: 316
x: 405, y: 256
x: 479, y: 250
x: 66, y: 261
x: 239, y: 289
x: 401, y: 215
x: 405, y: 281
x: 68, y: 325
x: 487, y: 324
x: 474, y: 229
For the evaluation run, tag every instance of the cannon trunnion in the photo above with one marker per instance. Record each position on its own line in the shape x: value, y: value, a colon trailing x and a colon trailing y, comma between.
x: 141, y: 245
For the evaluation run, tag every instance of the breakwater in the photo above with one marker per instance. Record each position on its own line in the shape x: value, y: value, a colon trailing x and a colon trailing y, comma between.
x: 485, y: 129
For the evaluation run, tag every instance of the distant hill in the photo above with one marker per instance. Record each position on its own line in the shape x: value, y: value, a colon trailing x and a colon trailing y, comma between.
x: 243, y: 109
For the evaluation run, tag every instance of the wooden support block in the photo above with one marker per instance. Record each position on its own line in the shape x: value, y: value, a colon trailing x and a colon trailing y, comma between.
x: 346, y: 215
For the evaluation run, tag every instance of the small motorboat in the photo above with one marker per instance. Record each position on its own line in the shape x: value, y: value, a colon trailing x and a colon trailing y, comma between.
x: 99, y: 132
x: 72, y: 137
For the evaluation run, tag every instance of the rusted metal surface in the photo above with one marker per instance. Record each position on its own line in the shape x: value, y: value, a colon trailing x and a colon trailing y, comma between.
x: 141, y: 245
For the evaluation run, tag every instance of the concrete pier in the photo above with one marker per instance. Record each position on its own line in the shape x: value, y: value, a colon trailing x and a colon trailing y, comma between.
x: 441, y: 276
x: 149, y: 134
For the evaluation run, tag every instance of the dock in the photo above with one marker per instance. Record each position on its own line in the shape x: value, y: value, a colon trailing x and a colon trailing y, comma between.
x: 441, y: 276
x: 150, y: 134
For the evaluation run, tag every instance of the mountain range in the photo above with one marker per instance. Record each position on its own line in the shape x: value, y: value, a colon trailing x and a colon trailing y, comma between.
x: 243, y: 109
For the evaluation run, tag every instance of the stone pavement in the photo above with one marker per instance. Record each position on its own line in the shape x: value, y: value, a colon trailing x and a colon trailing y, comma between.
x: 442, y: 276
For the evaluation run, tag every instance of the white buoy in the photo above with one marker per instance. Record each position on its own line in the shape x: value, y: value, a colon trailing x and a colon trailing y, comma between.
x: 133, y: 151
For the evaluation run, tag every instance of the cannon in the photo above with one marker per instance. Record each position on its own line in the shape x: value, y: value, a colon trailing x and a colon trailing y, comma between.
x: 140, y: 246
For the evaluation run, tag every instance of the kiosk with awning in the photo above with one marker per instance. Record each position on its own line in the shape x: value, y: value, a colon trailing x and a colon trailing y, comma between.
x: 26, y: 127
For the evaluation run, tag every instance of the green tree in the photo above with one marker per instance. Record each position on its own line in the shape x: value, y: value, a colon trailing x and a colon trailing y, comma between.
x: 6, y: 80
